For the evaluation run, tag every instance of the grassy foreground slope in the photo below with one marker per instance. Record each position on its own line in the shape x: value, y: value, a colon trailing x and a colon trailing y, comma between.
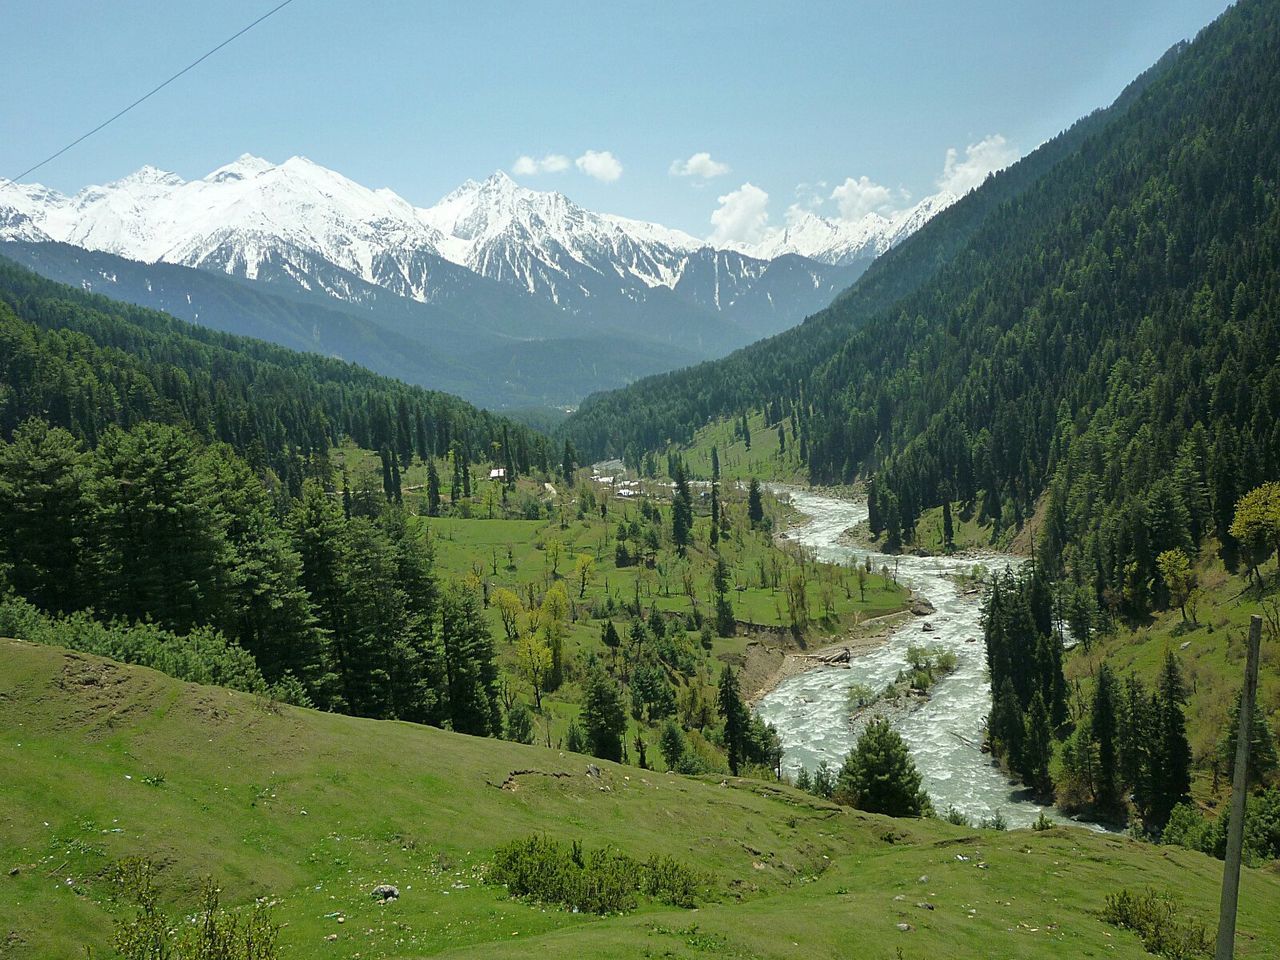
x: 311, y: 810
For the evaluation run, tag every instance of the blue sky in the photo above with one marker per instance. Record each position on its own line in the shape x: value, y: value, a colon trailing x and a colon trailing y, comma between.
x: 795, y: 100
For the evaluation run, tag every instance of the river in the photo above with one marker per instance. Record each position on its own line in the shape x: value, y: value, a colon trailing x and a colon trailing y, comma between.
x: 810, y: 709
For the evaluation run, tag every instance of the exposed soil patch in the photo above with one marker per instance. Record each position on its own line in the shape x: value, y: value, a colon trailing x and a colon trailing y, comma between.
x: 513, y: 778
x: 767, y: 663
x: 103, y: 695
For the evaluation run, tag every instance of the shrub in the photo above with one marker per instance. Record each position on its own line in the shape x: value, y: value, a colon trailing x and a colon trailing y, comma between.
x: 519, y: 723
x: 599, y: 881
x: 210, y: 932
x: 996, y: 822
x: 1188, y: 827
x: 1159, y: 921
x: 202, y: 656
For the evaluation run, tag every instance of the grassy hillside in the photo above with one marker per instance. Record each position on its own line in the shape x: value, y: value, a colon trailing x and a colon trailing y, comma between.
x: 768, y: 458
x: 311, y: 810
x: 1211, y: 648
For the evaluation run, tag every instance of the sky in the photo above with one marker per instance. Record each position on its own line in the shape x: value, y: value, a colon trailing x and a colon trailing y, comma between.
x: 716, y: 118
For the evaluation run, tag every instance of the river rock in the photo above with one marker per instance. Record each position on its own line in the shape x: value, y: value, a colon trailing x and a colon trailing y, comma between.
x: 922, y: 607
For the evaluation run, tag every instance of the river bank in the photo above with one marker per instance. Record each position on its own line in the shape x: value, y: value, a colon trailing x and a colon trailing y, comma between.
x: 765, y: 665
x: 809, y: 707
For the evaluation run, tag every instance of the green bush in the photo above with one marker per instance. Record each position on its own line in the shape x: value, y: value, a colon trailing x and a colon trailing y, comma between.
x: 210, y: 932
x: 1159, y: 921
x: 599, y: 881
x: 1188, y: 827
x: 202, y: 656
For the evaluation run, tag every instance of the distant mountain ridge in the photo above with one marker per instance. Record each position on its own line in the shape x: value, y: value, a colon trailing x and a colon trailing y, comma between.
x: 492, y: 261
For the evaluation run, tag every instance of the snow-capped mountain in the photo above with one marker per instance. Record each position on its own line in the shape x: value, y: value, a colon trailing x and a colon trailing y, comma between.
x: 492, y: 259
x: 538, y: 240
x: 842, y: 242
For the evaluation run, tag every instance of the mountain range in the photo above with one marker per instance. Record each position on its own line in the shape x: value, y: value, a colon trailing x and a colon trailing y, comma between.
x: 503, y: 294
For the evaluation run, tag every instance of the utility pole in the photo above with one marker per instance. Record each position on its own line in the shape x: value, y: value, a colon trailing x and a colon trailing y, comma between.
x: 1239, y: 784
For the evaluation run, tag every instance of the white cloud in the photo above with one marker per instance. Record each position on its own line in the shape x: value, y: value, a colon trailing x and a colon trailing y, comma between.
x: 856, y: 198
x: 527, y: 166
x: 700, y: 165
x: 742, y: 217
x: 600, y: 164
x: 980, y: 159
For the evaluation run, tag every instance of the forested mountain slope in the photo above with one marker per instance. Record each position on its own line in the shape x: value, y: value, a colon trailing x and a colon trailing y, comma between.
x: 452, y: 344
x: 670, y: 407
x: 84, y: 362
x: 1108, y: 332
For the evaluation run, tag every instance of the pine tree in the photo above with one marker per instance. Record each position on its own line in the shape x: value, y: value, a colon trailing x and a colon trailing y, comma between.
x: 433, y: 489
x: 376, y: 667
x: 43, y: 512
x: 609, y: 637
x: 1103, y: 730
x: 726, y: 624
x: 472, y: 703
x: 519, y: 728
x: 1135, y: 744
x: 1171, y: 765
x: 755, y: 503
x: 734, y: 714
x: 804, y: 781
x: 575, y: 741
x: 604, y: 717
x: 162, y: 552
x: 714, y: 533
x: 268, y: 610
x: 672, y: 744
x: 1006, y: 726
x: 879, y: 775
x: 1037, y: 750
x: 1262, y: 746
x: 681, y: 511
x: 388, y: 482
x: 568, y: 463
x: 508, y: 459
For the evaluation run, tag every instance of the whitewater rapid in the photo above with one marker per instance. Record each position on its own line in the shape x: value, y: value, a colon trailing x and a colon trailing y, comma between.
x: 810, y: 709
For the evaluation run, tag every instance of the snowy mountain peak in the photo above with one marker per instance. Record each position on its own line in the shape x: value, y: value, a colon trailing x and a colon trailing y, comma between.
x: 499, y: 180
x: 148, y: 175
x: 838, y: 241
x: 242, y: 168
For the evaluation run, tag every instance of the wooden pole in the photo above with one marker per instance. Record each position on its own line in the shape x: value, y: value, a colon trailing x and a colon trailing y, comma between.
x: 1235, y: 830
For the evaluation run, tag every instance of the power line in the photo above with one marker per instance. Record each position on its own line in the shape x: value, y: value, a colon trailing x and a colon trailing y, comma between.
x: 152, y: 92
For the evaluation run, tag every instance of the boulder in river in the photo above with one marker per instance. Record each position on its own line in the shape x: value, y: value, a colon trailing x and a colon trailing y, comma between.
x: 922, y: 607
